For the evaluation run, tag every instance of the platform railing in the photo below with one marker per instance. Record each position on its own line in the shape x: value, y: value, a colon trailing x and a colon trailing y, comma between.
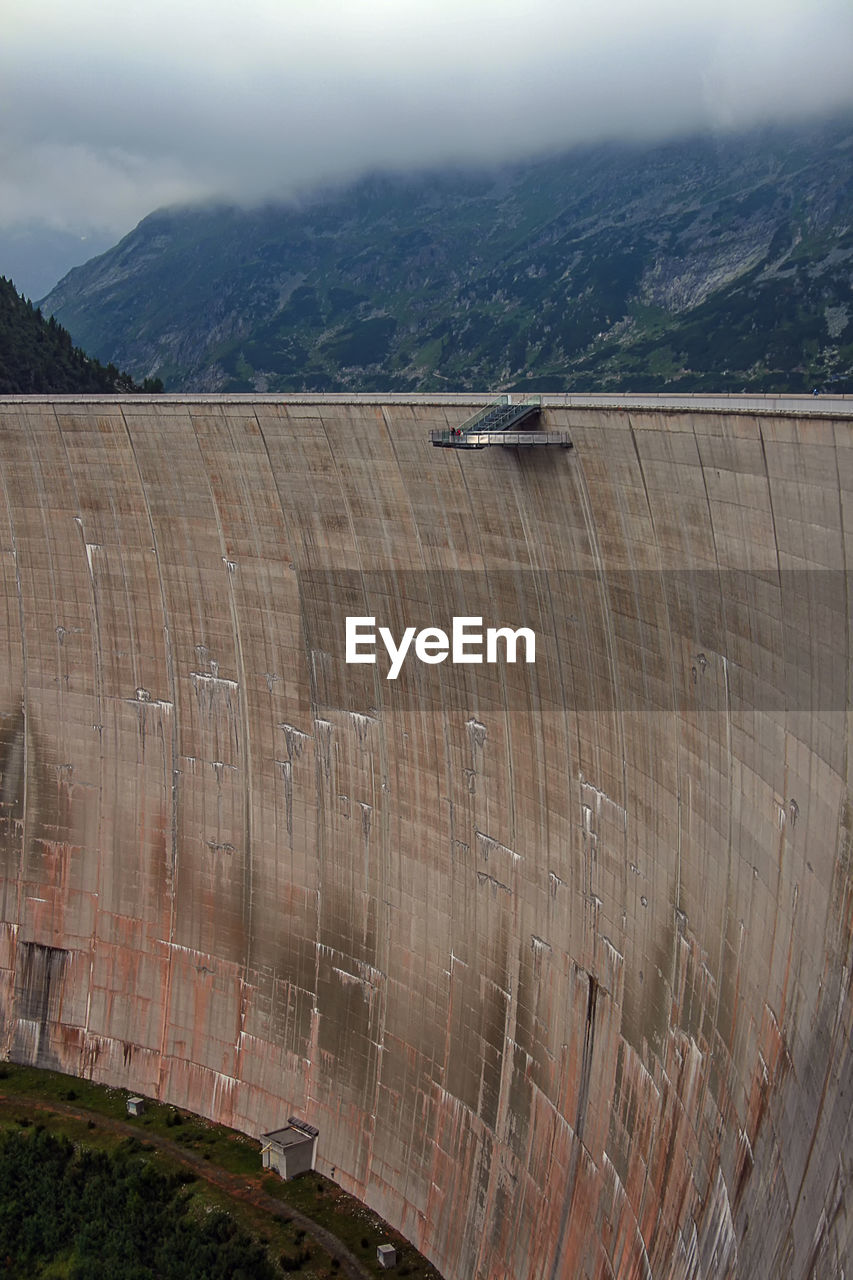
x: 508, y: 439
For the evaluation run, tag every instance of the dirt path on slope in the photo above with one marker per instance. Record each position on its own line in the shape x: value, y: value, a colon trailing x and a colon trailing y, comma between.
x: 245, y: 1187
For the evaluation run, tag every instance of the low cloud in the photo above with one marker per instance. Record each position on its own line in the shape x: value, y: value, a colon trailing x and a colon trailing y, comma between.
x: 109, y: 114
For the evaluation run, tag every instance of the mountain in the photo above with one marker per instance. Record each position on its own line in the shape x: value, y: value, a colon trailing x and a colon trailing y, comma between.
x: 37, y: 355
x: 714, y: 262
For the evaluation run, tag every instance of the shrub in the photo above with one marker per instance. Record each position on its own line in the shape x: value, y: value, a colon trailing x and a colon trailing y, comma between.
x: 294, y: 1262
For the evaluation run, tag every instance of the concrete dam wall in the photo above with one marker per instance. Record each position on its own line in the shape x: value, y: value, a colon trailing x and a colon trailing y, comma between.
x: 556, y: 955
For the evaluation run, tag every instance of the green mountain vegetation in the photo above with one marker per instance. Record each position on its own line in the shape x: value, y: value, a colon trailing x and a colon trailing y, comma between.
x: 85, y: 1214
x: 38, y: 356
x: 721, y: 262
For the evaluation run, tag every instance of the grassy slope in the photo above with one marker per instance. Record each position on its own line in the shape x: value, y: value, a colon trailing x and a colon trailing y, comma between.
x: 29, y: 1094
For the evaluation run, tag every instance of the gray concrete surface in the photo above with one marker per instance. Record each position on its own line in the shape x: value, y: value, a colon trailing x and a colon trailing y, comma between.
x: 556, y: 957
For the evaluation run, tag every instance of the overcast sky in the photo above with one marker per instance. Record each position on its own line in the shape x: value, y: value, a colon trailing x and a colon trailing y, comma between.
x: 110, y: 110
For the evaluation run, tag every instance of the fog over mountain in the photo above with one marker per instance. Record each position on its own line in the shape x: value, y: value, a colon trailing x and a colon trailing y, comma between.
x: 109, y: 116
x: 693, y: 264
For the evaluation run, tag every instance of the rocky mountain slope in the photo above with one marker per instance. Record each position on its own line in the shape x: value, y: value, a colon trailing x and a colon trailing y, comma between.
x: 716, y: 262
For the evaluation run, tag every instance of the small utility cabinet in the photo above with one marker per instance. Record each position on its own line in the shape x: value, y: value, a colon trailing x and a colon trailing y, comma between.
x: 291, y: 1150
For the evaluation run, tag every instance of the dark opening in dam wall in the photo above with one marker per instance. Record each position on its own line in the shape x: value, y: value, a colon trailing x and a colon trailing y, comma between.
x: 556, y: 955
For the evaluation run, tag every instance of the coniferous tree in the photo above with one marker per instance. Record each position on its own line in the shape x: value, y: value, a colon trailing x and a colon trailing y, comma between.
x: 37, y: 356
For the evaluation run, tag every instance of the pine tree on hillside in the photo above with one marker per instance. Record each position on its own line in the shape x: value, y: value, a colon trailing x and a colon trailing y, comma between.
x: 37, y: 356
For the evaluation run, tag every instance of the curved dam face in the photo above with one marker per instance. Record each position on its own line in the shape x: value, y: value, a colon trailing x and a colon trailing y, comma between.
x: 556, y: 955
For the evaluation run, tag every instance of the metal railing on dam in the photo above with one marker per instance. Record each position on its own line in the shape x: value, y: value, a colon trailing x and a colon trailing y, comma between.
x: 555, y: 955
x: 503, y: 439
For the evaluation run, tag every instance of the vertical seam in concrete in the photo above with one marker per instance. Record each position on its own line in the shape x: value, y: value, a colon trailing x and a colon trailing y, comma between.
x: 618, y: 708
x: 370, y: 1131
x: 24, y: 708
x: 170, y: 671
x: 96, y: 664
x: 589, y: 522
x: 730, y: 835
x: 572, y: 738
x: 96, y: 629
x: 471, y: 524
x: 783, y: 837
x: 242, y: 712
x: 845, y: 570
x: 292, y: 547
x: 505, y: 1079
x: 830, y: 1056
x: 675, y: 707
x: 356, y: 547
x: 532, y: 545
x: 580, y: 1118
x: 384, y: 967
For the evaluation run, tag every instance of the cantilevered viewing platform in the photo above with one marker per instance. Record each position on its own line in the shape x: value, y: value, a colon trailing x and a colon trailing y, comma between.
x: 501, y: 423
